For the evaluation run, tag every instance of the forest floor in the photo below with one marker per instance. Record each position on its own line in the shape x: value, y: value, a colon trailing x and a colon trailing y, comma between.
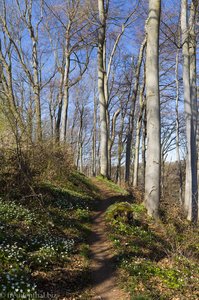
x: 90, y: 239
x: 102, y: 254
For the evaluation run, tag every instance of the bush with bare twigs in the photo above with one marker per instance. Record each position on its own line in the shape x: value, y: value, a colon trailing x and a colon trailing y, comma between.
x: 23, y: 167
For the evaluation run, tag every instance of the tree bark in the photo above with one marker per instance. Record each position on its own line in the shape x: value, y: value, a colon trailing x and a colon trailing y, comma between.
x: 153, y: 162
x: 138, y: 132
x: 36, y: 87
x: 131, y: 119
x: 144, y: 134
x: 191, y: 192
x: 94, y: 137
x: 193, y: 211
x: 101, y: 90
x: 120, y: 149
x: 111, y: 139
x: 177, y: 130
x: 64, y: 110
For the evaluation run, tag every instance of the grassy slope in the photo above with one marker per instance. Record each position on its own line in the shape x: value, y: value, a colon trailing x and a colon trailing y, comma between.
x: 43, y: 240
x: 112, y: 186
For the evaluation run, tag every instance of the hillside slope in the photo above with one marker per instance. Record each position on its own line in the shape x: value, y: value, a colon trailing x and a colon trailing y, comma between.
x: 43, y: 250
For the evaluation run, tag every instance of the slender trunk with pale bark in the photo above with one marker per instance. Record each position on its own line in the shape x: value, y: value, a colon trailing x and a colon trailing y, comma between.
x: 64, y: 110
x: 111, y: 139
x: 101, y: 90
x: 144, y: 135
x: 59, y: 112
x: 191, y: 189
x: 193, y: 213
x: 153, y: 162
x: 94, y: 137
x: 177, y: 130
x: 118, y: 176
x: 131, y: 118
x: 80, y: 143
x: 36, y: 90
x: 138, y: 133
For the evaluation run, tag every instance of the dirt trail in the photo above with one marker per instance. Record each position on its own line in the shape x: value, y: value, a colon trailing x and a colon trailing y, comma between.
x: 103, y: 274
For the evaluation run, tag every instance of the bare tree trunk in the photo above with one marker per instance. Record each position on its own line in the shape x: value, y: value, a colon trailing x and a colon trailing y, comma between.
x: 193, y: 211
x: 81, y: 157
x: 119, y: 150
x: 102, y: 99
x: 153, y: 162
x: 112, y: 138
x: 177, y: 130
x: 107, y: 71
x: 36, y: 88
x: 59, y: 113
x: 187, y: 102
x: 64, y: 110
x: 138, y: 132
x: 94, y: 137
x: 163, y: 159
x: 129, y: 138
x: 58, y: 122
x: 51, y: 122
x: 191, y: 193
x: 80, y: 142
x: 131, y: 119
x: 7, y: 88
x: 30, y: 118
x: 35, y: 64
x: 144, y: 134
x: 78, y: 149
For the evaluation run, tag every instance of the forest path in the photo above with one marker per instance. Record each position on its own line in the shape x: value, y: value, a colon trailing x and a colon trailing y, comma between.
x: 103, y: 256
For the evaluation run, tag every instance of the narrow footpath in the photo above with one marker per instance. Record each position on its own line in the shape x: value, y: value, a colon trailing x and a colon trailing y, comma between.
x: 103, y: 272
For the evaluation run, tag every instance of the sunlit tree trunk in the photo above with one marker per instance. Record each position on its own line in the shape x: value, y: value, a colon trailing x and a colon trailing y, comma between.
x: 36, y: 86
x: 177, y: 129
x: 80, y: 142
x: 64, y: 110
x: 193, y: 211
x: 191, y: 192
x: 101, y: 90
x: 138, y: 133
x: 120, y: 150
x: 59, y: 112
x: 112, y: 138
x: 144, y: 134
x: 131, y: 119
x: 153, y: 161
x: 94, y: 137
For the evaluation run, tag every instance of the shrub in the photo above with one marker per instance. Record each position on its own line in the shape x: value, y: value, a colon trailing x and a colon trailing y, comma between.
x: 21, y: 168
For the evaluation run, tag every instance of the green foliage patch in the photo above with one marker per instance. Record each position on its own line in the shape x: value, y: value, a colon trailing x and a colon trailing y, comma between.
x: 154, y: 261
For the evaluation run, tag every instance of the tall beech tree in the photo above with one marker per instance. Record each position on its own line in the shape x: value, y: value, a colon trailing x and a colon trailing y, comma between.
x: 153, y: 161
x: 190, y: 105
x: 132, y: 112
x: 105, y: 62
x: 101, y: 89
